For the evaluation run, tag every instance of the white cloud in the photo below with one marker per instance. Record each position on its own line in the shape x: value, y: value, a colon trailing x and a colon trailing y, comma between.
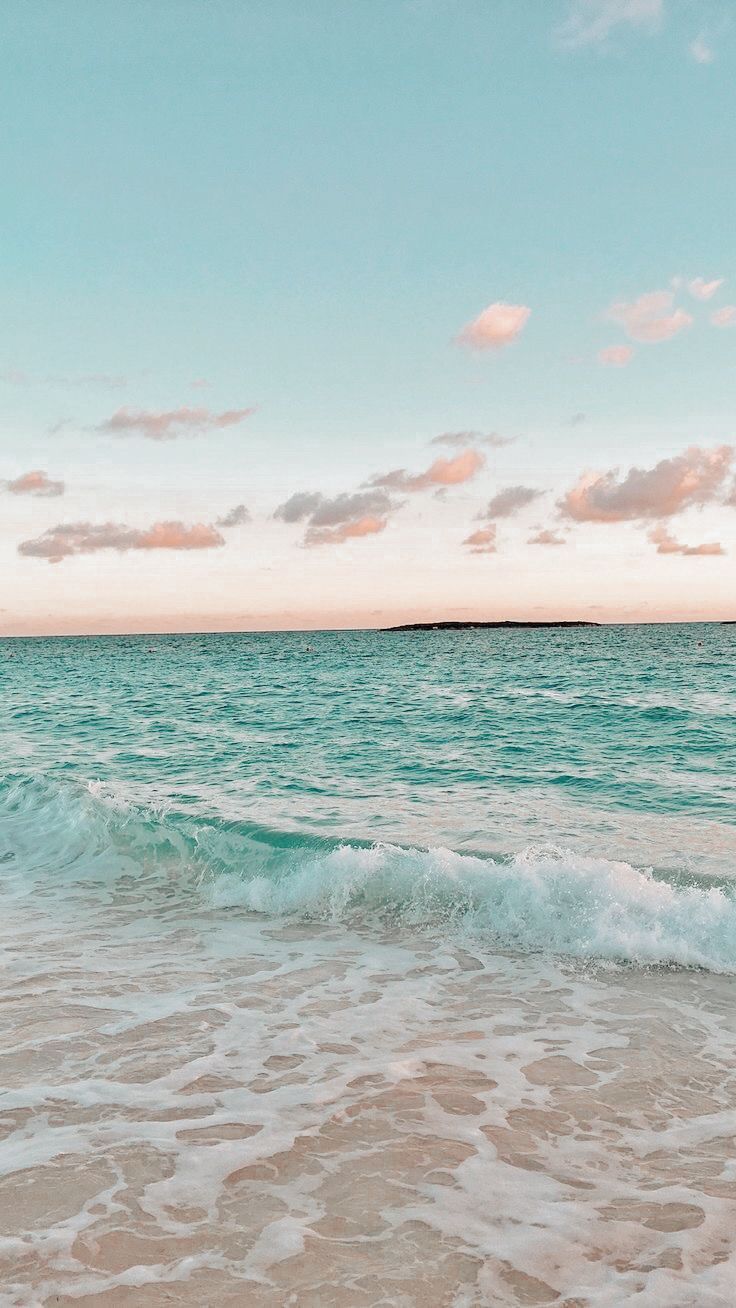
x: 702, y: 290
x: 652, y: 317
x: 700, y: 51
x: 591, y: 22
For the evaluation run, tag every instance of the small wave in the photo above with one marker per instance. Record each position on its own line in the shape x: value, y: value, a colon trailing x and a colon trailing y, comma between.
x: 542, y: 899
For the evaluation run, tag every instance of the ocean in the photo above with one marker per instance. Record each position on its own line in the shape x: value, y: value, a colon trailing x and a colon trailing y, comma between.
x: 367, y: 968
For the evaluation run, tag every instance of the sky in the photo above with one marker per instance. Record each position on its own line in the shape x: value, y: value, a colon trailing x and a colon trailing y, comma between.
x: 334, y: 314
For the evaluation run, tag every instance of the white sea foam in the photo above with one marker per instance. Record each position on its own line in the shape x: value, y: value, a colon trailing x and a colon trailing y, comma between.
x: 216, y: 1107
x: 337, y: 1089
x: 543, y: 900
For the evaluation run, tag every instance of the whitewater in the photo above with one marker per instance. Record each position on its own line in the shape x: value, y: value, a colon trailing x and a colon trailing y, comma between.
x: 369, y: 968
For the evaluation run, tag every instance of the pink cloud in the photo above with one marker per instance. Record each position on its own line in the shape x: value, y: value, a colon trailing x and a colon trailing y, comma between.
x: 367, y: 526
x: 692, y: 478
x: 70, y: 538
x: 495, y: 327
x: 725, y: 317
x: 167, y: 425
x: 616, y: 356
x: 547, y: 537
x: 177, y: 536
x: 666, y: 544
x: 443, y: 472
x: 36, y: 482
x: 701, y: 290
x: 651, y: 318
x: 482, y: 541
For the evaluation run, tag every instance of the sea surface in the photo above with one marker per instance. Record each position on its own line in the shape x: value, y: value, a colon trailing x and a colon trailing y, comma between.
x: 362, y: 968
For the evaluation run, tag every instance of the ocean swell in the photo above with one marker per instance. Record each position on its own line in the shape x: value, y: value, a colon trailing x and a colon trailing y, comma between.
x: 541, y: 899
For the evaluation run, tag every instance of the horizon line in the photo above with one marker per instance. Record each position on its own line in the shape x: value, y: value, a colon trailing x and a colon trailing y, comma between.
x: 514, y: 624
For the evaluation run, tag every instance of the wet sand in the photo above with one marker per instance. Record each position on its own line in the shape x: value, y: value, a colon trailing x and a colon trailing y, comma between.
x: 208, y: 1106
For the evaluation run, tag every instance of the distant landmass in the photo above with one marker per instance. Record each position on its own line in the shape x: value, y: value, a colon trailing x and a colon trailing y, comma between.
x: 495, y: 626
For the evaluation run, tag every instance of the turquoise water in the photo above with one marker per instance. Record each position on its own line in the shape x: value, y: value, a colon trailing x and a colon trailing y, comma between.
x: 570, y: 791
x: 358, y: 968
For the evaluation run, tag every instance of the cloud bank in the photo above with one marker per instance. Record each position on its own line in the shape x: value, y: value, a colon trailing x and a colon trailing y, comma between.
x: 70, y: 538
x: 693, y: 478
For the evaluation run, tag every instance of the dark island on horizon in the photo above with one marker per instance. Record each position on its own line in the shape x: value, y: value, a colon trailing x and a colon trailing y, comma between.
x: 496, y: 626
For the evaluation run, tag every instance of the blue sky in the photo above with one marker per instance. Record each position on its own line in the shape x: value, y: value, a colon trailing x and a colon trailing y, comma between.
x: 301, y: 206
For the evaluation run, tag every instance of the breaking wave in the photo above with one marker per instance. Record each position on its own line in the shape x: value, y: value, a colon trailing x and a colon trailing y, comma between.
x: 541, y: 899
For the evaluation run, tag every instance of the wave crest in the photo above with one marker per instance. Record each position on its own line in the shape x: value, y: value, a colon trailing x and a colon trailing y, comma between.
x: 543, y: 899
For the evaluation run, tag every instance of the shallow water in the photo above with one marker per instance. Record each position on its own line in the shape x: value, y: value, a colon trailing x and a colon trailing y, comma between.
x: 369, y: 969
